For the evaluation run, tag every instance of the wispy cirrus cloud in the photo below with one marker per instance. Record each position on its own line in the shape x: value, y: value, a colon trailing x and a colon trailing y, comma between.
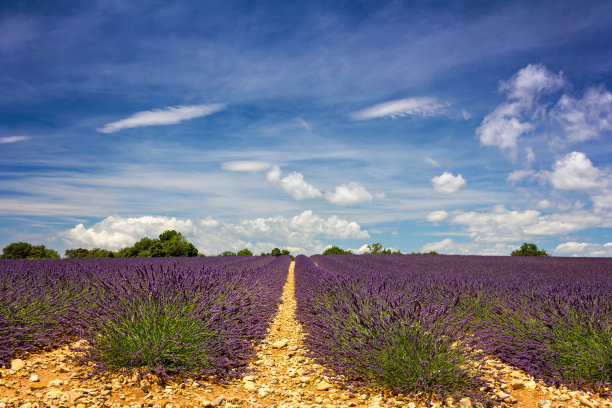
x: 245, y: 165
x: 166, y: 116
x: 423, y: 106
x: 13, y: 139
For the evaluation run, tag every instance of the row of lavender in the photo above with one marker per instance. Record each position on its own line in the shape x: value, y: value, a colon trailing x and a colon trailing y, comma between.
x: 422, y: 323
x: 174, y: 316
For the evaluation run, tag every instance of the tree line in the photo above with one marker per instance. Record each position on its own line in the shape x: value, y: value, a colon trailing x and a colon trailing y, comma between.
x: 171, y: 243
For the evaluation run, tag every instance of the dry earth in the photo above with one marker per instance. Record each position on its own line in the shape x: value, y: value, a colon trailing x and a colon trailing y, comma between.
x: 282, y: 377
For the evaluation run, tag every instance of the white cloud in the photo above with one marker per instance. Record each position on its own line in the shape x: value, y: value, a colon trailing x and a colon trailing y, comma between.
x: 518, y: 175
x: 575, y: 172
x: 545, y: 204
x: 530, y: 155
x: 293, y: 184
x: 302, y: 232
x: 502, y: 225
x: 502, y: 129
x: 586, y: 118
x: 432, y: 161
x: 450, y: 247
x: 402, y: 107
x: 116, y: 232
x: 165, y: 116
x: 510, y: 120
x: 13, y: 139
x: 349, y: 194
x: 530, y: 82
x: 447, y: 183
x: 208, y: 222
x: 437, y: 216
x: 245, y: 165
x: 585, y: 249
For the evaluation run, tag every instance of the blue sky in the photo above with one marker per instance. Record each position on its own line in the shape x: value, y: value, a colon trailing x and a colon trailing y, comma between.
x: 465, y: 128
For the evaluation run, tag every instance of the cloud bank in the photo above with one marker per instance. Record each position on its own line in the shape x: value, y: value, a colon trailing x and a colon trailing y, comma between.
x: 301, y: 233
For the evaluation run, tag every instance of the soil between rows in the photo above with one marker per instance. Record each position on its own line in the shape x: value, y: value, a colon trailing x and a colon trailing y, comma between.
x: 282, y: 377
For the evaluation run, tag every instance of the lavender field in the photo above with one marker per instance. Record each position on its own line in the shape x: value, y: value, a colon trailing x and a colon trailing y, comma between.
x: 415, y: 324
x: 423, y: 323
x: 174, y: 316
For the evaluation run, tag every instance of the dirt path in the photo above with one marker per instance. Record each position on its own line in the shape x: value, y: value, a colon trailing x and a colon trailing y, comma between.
x: 282, y: 377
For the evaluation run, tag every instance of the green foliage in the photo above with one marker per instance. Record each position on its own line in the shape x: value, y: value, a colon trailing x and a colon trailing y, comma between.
x: 100, y: 253
x: 334, y: 250
x: 425, y: 253
x: 377, y: 248
x: 23, y: 250
x: 73, y: 253
x: 227, y: 253
x: 244, y: 252
x: 170, y: 243
x: 529, y: 249
x: 278, y: 252
x: 151, y: 333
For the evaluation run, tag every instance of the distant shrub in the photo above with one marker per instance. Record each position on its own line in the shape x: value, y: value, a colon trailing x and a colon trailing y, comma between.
x: 335, y: 250
x: 529, y: 249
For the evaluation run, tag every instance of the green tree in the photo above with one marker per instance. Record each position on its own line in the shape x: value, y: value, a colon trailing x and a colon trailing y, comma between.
x: 17, y: 250
x: 227, y: 253
x: 100, y: 253
x: 40, y: 252
x: 23, y: 250
x: 170, y: 243
x: 73, y: 253
x: 335, y: 250
x: 169, y: 235
x: 375, y: 248
x: 529, y: 249
x: 244, y: 252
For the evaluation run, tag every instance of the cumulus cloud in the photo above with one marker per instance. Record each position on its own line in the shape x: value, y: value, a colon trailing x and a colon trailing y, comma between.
x: 166, y: 116
x: 575, y: 172
x: 447, y: 183
x: 437, y: 216
x: 510, y: 120
x: 584, y: 119
x: 450, y: 247
x: 423, y: 106
x: 116, y: 232
x: 13, y: 139
x: 293, y: 184
x: 530, y: 82
x: 245, y: 165
x: 302, y: 232
x: 584, y: 249
x: 503, y: 225
x: 349, y: 194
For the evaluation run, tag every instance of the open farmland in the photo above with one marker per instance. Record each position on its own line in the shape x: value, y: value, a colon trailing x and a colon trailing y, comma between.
x: 371, y: 331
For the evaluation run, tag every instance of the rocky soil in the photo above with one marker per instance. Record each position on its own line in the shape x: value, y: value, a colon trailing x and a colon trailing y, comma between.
x: 282, y: 377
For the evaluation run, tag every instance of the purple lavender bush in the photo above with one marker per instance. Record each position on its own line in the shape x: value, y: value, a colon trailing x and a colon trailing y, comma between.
x: 178, y: 319
x: 174, y: 316
x: 370, y: 326
x: 551, y: 317
x: 35, y: 297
